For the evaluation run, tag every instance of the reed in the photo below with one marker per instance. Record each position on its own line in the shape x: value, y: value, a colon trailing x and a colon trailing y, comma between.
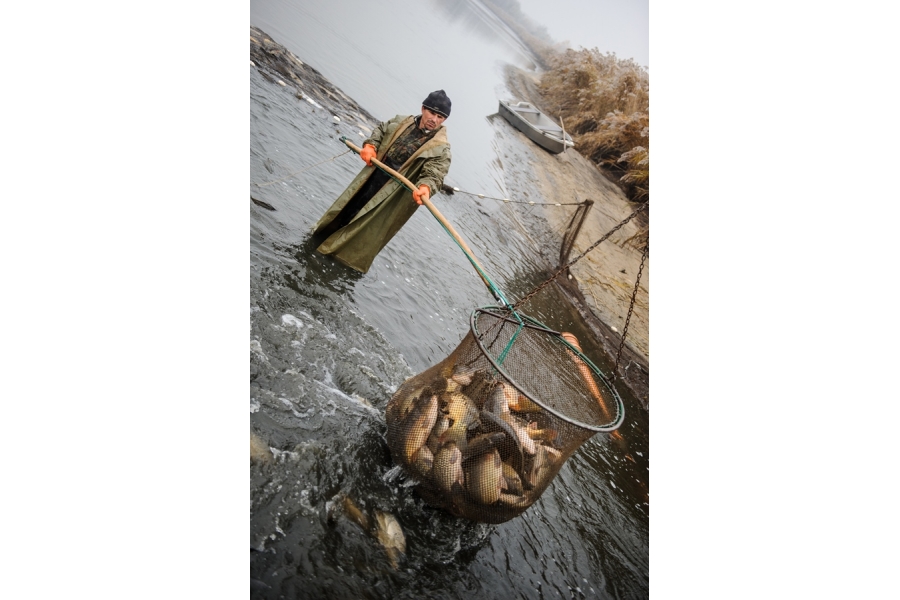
x: 605, y: 102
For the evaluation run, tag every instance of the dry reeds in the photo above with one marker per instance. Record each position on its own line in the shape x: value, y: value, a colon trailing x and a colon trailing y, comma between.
x: 605, y: 103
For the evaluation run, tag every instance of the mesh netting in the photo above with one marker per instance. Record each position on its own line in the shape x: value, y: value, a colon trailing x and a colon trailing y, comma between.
x: 486, y: 430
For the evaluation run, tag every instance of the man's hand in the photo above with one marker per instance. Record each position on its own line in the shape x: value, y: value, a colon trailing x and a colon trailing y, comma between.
x: 422, y: 193
x: 368, y: 153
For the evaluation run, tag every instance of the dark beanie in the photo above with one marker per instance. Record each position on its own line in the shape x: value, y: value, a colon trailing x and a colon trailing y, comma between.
x: 438, y: 102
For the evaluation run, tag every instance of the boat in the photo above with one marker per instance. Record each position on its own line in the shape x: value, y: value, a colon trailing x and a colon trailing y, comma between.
x: 536, y: 125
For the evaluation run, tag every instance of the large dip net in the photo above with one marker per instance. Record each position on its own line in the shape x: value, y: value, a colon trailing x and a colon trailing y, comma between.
x: 485, y: 431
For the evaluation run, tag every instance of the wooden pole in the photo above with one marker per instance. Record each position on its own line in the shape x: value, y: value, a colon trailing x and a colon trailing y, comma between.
x: 437, y: 214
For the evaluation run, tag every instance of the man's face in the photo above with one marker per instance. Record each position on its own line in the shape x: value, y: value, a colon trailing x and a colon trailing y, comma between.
x: 430, y: 120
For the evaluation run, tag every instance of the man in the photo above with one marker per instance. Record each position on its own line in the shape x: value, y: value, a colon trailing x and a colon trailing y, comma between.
x: 375, y: 206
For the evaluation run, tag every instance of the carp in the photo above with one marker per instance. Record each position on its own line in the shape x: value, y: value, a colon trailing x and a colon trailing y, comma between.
x: 417, y: 426
x: 389, y: 533
x: 447, y: 471
x: 484, y: 478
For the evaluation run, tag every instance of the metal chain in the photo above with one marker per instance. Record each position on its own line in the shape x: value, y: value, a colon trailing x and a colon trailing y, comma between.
x: 637, y: 283
x: 582, y: 255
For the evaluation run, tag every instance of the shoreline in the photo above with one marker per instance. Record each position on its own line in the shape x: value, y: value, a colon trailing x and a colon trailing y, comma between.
x: 598, y: 285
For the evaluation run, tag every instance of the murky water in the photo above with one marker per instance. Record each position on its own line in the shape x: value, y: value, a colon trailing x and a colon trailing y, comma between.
x: 328, y: 346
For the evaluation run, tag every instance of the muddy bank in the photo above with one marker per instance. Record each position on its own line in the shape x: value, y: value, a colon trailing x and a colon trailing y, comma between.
x: 601, y: 283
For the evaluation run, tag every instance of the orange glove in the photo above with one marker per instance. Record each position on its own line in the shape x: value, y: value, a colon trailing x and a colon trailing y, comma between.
x: 422, y: 192
x: 368, y: 153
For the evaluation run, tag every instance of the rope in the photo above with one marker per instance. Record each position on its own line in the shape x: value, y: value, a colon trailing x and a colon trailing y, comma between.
x: 300, y: 171
x: 580, y: 256
x: 508, y: 201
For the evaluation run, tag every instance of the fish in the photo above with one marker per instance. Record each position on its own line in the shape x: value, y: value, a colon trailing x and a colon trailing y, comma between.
x: 514, y: 501
x: 483, y: 443
x: 484, y: 478
x: 498, y: 401
x: 521, y: 430
x: 542, y: 463
x: 389, y: 533
x: 463, y: 375
x: 545, y: 435
x: 434, y: 438
x: 417, y: 426
x: 355, y: 514
x: 402, y: 402
x: 463, y: 414
x: 586, y: 374
x: 513, y: 481
x: 447, y: 471
x: 511, y: 447
x: 422, y: 461
x: 523, y: 404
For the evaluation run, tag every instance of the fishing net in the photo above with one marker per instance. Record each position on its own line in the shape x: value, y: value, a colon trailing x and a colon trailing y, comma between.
x: 486, y: 430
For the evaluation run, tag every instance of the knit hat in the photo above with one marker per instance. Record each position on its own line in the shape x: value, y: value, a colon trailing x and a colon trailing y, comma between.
x: 438, y: 102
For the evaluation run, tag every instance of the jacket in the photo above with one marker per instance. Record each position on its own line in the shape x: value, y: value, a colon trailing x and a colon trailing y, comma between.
x: 357, y: 243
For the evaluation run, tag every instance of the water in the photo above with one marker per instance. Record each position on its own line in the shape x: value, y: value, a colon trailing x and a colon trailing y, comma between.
x: 328, y: 346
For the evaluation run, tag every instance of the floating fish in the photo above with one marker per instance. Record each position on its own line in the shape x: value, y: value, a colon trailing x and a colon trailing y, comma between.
x: 389, y: 533
x: 355, y: 514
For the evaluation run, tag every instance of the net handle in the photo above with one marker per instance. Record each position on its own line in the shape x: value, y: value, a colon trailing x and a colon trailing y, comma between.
x: 441, y: 219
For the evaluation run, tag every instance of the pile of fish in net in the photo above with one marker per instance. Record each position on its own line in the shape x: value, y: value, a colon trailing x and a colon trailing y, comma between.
x: 477, y: 441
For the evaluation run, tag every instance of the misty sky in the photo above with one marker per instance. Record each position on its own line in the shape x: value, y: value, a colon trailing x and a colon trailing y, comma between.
x: 620, y: 26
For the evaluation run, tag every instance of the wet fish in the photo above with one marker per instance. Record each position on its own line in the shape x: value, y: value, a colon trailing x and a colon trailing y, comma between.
x: 463, y: 375
x: 389, y: 533
x: 511, y: 447
x: 528, y: 445
x: 417, y: 426
x: 452, y: 385
x: 355, y: 514
x: 484, y: 478
x: 422, y: 461
x: 447, y: 469
x: 513, y: 481
x: 434, y: 438
x: 463, y: 415
x: 483, y: 443
x: 541, y: 464
x: 546, y: 435
x: 514, y: 501
x: 402, y: 402
x: 498, y: 401
x: 523, y: 404
x: 586, y: 374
